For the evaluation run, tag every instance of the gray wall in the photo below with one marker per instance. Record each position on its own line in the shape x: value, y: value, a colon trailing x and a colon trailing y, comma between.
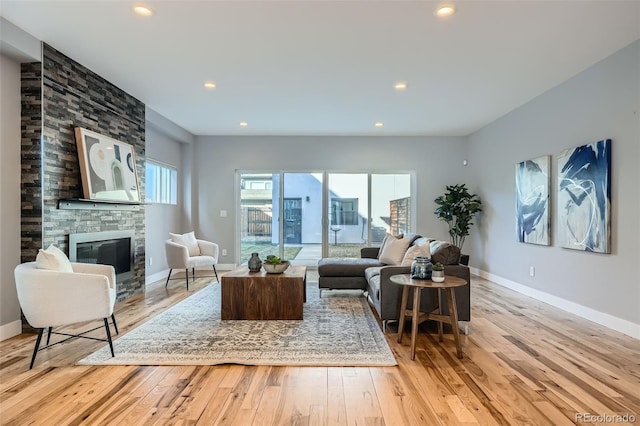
x: 162, y: 218
x: 601, y: 102
x: 10, y: 323
x: 436, y: 160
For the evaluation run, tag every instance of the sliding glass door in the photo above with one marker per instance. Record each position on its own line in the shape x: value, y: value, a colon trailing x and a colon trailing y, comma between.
x: 391, y: 205
x: 258, y: 225
x: 348, y: 206
x: 304, y: 216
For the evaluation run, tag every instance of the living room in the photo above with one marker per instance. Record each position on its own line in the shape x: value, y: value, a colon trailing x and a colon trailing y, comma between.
x: 600, y: 101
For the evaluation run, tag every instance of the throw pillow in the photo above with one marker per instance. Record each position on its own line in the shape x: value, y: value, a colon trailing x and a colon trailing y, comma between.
x: 394, y: 250
x: 414, y: 251
x: 53, y: 259
x: 445, y: 253
x: 383, y: 243
x: 189, y: 240
x: 386, y: 238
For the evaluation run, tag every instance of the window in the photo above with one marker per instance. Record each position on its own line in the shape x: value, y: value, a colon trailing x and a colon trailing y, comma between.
x: 344, y: 211
x: 314, y: 214
x: 162, y: 183
x: 259, y: 185
x: 258, y: 182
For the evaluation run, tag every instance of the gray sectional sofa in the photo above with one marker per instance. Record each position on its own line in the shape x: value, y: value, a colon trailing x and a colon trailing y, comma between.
x: 367, y: 273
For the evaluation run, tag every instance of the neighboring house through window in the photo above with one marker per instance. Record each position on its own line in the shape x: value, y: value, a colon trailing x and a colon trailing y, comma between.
x: 344, y: 211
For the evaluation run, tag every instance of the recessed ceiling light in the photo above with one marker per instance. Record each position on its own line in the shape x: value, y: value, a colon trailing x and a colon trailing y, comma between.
x: 244, y: 123
x: 445, y: 10
x: 400, y: 86
x: 142, y: 10
x: 209, y: 85
x: 379, y: 124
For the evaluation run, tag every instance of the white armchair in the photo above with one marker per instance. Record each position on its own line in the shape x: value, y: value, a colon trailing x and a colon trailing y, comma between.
x: 52, y: 298
x: 181, y: 256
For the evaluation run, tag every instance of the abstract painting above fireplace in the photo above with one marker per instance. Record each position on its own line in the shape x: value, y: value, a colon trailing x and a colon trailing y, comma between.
x: 108, y: 167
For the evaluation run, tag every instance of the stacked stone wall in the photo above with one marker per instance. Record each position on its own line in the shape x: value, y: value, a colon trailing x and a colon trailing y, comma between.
x: 59, y: 95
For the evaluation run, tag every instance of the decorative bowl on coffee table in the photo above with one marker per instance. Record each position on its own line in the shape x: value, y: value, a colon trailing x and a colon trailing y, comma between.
x: 276, y: 268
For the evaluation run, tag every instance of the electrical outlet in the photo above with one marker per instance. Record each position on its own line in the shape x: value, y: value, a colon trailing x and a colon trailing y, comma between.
x: 150, y: 261
x: 532, y: 271
x: 223, y: 213
x: 224, y: 252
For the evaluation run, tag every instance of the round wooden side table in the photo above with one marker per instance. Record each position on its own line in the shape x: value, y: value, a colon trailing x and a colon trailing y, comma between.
x: 417, y: 317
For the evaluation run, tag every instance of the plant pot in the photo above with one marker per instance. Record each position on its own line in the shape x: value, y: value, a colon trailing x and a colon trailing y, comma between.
x: 464, y: 259
x: 275, y: 269
x: 437, y: 276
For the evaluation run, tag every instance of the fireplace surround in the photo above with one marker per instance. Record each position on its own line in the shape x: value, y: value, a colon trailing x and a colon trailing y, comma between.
x: 114, y: 248
x: 53, y: 104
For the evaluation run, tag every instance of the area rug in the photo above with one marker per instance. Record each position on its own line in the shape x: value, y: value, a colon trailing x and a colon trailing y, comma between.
x: 337, y: 330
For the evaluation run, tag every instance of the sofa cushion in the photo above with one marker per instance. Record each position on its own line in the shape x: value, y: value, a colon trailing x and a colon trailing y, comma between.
x: 422, y: 250
x: 345, y: 266
x: 394, y: 250
x: 412, y: 235
x: 445, y: 253
x: 422, y: 240
x: 374, y: 286
x: 372, y: 272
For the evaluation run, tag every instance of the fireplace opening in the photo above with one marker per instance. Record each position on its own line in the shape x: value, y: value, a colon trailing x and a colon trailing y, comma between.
x: 113, y: 248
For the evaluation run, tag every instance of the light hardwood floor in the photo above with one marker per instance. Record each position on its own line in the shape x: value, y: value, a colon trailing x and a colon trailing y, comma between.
x: 525, y: 363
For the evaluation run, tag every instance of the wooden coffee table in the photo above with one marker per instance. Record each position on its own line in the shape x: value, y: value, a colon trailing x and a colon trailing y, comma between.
x: 260, y: 296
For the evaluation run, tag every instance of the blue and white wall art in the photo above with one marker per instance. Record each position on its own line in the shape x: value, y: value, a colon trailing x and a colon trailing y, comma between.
x: 584, y: 197
x: 532, y: 200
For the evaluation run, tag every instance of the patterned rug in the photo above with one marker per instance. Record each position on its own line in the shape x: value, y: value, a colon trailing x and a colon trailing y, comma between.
x: 337, y: 330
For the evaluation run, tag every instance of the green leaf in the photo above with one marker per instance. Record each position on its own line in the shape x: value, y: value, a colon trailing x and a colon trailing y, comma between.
x: 457, y: 207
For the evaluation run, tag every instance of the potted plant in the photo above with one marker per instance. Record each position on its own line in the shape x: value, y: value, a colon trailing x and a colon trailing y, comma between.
x: 275, y: 265
x: 437, y: 272
x: 457, y: 207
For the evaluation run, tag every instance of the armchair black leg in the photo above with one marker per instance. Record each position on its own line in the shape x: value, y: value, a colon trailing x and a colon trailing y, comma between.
x: 106, y: 326
x: 49, y: 335
x: 35, y: 350
x: 216, y: 272
x: 187, y: 274
x: 168, y: 276
x: 193, y: 273
x: 113, y: 318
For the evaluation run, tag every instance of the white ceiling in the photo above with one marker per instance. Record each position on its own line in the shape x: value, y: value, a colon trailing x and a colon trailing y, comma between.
x: 328, y: 68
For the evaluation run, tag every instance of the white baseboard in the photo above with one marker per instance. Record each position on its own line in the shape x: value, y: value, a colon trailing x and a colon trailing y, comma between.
x: 10, y: 330
x: 162, y: 275
x: 623, y: 326
x: 226, y: 266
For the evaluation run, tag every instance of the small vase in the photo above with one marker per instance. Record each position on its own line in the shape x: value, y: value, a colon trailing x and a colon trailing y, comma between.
x: 254, y: 263
x: 437, y: 276
x: 421, y: 268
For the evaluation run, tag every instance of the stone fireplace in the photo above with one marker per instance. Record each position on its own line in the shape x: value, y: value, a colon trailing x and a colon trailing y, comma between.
x: 58, y: 95
x: 113, y: 248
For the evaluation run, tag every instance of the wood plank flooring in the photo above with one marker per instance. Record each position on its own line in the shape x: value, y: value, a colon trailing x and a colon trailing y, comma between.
x: 525, y: 363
